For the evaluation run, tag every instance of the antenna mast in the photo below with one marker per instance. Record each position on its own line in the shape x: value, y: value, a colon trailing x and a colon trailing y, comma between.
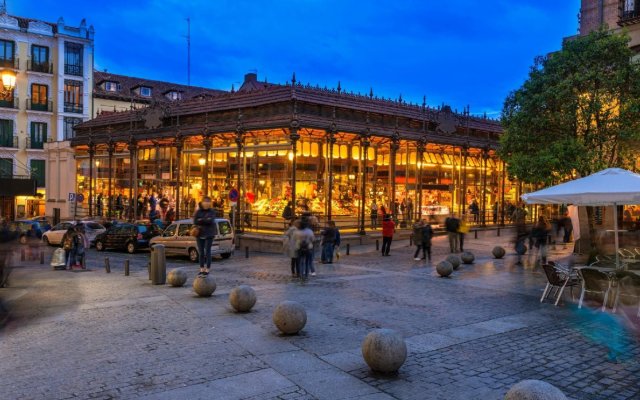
x: 188, y: 51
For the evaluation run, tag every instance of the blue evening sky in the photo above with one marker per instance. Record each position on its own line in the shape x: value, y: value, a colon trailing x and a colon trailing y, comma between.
x: 457, y: 52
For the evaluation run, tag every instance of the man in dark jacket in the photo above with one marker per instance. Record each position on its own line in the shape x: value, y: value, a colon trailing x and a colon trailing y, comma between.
x: 328, y: 243
x: 427, y: 235
x: 451, y: 225
x: 204, y: 220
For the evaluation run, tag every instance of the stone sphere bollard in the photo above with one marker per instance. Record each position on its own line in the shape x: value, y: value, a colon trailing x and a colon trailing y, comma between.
x: 444, y: 268
x: 177, y: 277
x: 454, y: 260
x: 467, y: 257
x: 289, y: 317
x: 384, y: 350
x: 204, y: 286
x: 534, y: 390
x: 498, y: 252
x: 242, y: 298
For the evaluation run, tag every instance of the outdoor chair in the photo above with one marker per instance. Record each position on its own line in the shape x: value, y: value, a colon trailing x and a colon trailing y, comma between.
x: 594, y: 281
x: 628, y: 286
x: 558, y: 279
x: 626, y: 253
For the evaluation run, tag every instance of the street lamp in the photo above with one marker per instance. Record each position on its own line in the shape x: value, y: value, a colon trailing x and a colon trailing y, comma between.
x: 202, y: 161
x: 8, y: 80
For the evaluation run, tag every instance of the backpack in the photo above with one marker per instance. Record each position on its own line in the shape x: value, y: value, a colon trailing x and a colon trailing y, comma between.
x: 306, y: 247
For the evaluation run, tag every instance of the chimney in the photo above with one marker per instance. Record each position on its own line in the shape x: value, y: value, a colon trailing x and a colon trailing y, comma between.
x: 250, y: 77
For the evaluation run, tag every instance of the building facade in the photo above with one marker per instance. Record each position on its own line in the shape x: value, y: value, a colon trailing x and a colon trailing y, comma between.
x: 52, y: 63
x: 325, y: 151
x: 615, y: 14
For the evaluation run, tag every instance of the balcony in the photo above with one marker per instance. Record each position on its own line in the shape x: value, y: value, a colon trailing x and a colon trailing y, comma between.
x: 9, y: 142
x: 628, y: 12
x: 73, y: 108
x: 47, y: 106
x: 71, y: 69
x: 42, y: 67
x: 9, y: 103
x: 35, y: 144
x: 13, y: 63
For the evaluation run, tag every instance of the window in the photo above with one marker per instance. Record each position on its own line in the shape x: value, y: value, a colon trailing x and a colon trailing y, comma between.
x: 170, y: 231
x: 68, y: 124
x: 40, y: 59
x: 39, y: 97
x: 112, y: 86
x: 184, y: 229
x: 6, y: 167
x: 37, y: 172
x: 8, y: 100
x: 72, y: 58
x: 72, y: 96
x: 145, y: 91
x: 6, y: 133
x: 38, y: 135
x: 173, y: 95
x: 7, y: 53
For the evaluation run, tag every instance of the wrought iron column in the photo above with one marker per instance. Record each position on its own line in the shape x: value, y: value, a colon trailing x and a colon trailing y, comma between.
x: 133, y: 179
x: 294, y: 137
x: 463, y: 200
x: 393, y: 147
x: 179, y: 146
x: 331, y: 140
x: 485, y: 157
x: 364, y: 146
x: 504, y: 181
x: 110, y: 204
x: 420, y: 156
x: 91, y: 182
x: 205, y: 174
x: 239, y: 139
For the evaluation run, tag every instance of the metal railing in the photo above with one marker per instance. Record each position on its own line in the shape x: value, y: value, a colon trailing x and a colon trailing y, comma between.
x: 73, y: 108
x: 43, y: 67
x: 13, y: 63
x: 9, y: 142
x: 32, y: 144
x: 71, y: 69
x: 39, y: 106
x: 628, y: 12
x: 9, y: 103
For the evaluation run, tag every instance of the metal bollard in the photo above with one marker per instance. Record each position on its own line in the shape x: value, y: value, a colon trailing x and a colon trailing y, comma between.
x: 348, y: 248
x: 23, y: 254
x: 126, y: 267
x: 246, y: 252
x: 159, y: 268
x: 475, y: 234
x: 377, y: 244
x: 498, y: 232
x: 42, y: 257
x: 107, y: 267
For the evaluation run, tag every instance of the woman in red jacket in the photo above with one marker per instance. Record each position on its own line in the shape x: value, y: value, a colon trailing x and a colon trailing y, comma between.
x: 388, y: 227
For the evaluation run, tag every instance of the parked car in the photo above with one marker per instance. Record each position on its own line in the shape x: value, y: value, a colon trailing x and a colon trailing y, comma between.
x: 29, y: 229
x: 127, y: 236
x: 54, y: 236
x: 44, y: 222
x: 177, y: 240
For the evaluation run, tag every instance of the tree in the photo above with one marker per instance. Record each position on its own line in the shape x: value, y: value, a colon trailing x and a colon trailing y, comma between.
x: 577, y: 113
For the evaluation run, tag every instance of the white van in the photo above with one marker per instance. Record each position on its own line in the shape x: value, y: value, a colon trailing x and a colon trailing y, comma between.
x: 177, y: 240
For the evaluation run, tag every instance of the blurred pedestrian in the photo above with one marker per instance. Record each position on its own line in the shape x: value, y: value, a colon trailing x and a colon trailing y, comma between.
x: 540, y: 234
x: 328, y: 242
x: 463, y: 229
x: 289, y: 246
x: 374, y: 215
x: 417, y: 239
x: 388, y: 228
x: 203, y: 220
x: 451, y: 225
x: 304, y: 246
x: 427, y: 235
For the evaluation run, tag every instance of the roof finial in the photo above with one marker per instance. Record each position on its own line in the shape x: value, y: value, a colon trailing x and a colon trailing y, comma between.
x: 339, y: 87
x: 293, y: 79
x: 371, y: 93
x: 233, y: 88
x: 3, y: 7
x: 424, y: 102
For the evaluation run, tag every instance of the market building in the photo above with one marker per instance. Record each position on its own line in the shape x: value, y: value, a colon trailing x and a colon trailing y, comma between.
x: 329, y: 152
x: 46, y: 73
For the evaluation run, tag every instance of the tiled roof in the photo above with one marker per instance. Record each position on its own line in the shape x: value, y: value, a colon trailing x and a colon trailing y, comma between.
x: 23, y: 23
x: 158, y: 88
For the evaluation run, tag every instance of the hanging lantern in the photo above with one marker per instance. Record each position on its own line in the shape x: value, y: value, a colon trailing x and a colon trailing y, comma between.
x: 355, y: 152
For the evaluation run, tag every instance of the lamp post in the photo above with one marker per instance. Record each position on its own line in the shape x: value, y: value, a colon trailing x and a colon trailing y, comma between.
x: 8, y: 81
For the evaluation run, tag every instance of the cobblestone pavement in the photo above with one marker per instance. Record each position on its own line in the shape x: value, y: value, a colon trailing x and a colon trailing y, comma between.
x: 98, y: 335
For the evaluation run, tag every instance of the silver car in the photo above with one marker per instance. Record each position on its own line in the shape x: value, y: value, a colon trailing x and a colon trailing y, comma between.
x: 178, y: 241
x: 54, y: 236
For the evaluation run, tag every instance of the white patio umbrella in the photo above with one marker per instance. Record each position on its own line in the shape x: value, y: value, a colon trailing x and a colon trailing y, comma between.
x: 609, y: 187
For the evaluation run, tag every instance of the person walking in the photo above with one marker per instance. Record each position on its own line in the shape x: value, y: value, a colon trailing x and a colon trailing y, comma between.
x: 68, y: 246
x: 463, y: 229
x: 203, y: 219
x: 328, y: 242
x: 99, y: 205
x: 567, y: 226
x: 374, y: 215
x: 289, y: 247
x: 287, y: 213
x: 410, y: 210
x: 540, y: 234
x: 417, y: 239
x: 427, y: 235
x: 388, y: 228
x: 304, y: 246
x: 451, y: 225
x: 80, y: 243
x: 474, y: 209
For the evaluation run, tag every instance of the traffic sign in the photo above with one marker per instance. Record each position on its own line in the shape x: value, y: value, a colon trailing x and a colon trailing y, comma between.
x: 72, y: 197
x: 79, y: 197
x: 234, y: 195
